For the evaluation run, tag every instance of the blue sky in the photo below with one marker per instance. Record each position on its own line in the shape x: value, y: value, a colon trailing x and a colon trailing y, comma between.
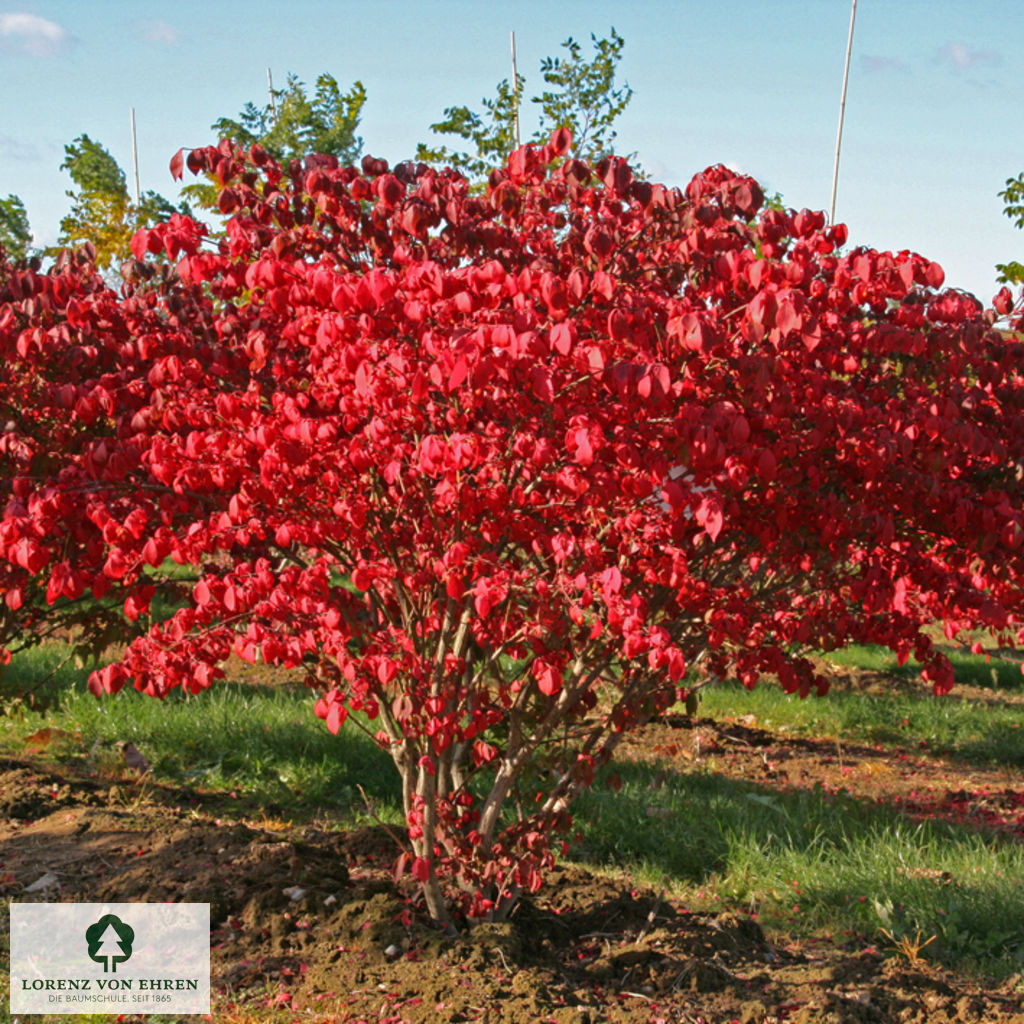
x: 932, y: 116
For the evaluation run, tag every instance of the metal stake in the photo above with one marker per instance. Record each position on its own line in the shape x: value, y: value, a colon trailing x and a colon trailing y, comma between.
x: 273, y: 101
x: 842, y: 112
x: 135, y: 161
x: 515, y: 87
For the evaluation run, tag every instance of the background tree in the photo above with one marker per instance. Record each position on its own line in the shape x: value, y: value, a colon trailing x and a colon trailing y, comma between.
x: 298, y: 124
x: 582, y: 97
x: 1013, y: 198
x: 15, y: 233
x: 295, y: 125
x: 491, y: 132
x: 102, y: 212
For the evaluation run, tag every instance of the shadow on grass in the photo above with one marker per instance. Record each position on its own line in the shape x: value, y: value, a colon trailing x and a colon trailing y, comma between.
x: 263, y: 741
x: 982, y: 731
x: 811, y: 860
x: 1001, y: 672
x: 993, y: 670
x: 267, y: 741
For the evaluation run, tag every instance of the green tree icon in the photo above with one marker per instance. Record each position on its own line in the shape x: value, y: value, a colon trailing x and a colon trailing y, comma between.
x: 110, y: 941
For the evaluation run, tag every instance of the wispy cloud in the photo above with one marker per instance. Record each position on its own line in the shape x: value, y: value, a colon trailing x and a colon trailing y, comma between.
x: 876, y: 65
x: 15, y: 150
x: 961, y: 57
x: 33, y: 35
x: 156, y: 31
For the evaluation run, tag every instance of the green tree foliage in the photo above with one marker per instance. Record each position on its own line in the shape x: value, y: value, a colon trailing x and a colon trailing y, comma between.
x: 584, y: 98
x: 293, y: 126
x: 1013, y: 200
x: 297, y: 124
x: 102, y: 212
x: 492, y: 133
x: 581, y: 96
x: 15, y: 233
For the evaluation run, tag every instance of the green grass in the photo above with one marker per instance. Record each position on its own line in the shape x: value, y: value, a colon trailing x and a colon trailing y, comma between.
x: 260, y: 741
x: 39, y: 675
x: 803, y: 860
x: 982, y: 732
x: 971, y: 669
x: 807, y: 862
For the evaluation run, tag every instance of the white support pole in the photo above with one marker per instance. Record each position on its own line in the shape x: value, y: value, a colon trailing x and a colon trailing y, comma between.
x: 842, y: 112
x: 270, y: 88
x: 515, y: 86
x: 135, y: 161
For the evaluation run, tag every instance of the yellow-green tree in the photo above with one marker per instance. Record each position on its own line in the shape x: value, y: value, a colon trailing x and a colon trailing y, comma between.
x: 102, y: 212
x: 15, y: 233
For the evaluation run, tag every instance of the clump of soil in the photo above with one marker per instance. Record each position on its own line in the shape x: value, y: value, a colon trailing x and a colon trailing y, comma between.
x: 310, y: 922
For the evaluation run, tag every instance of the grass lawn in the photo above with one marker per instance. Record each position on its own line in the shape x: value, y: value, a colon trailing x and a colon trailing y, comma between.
x: 805, y: 859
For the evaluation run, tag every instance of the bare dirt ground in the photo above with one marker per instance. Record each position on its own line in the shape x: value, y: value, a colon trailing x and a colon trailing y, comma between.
x: 308, y: 925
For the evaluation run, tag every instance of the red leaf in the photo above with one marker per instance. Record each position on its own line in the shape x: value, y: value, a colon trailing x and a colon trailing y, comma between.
x: 460, y: 371
x: 787, y: 318
x: 766, y: 465
x: 561, y: 338
x: 760, y: 316
x: 390, y: 189
x: 598, y: 242
x: 336, y: 715
x: 709, y: 514
x: 540, y: 381
x: 935, y: 275
x: 554, y: 295
x: 673, y: 494
x: 611, y: 582
x: 693, y: 331
x: 620, y: 325
x: 561, y: 141
x: 549, y: 679
x: 362, y: 380
x: 227, y: 201
x: 115, y: 568
x: 178, y: 165
x: 1003, y: 301
x: 401, y: 866
x: 139, y: 244
x: 603, y: 286
x: 362, y: 578
x: 584, y: 452
x: 483, y: 752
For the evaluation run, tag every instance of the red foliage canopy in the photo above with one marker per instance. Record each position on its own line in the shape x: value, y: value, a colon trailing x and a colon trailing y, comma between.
x: 501, y: 469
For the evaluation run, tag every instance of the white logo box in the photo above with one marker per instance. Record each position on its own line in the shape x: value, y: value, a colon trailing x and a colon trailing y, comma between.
x: 110, y: 958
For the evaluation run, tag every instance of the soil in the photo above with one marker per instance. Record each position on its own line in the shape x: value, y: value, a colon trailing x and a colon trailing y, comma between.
x: 308, y: 924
